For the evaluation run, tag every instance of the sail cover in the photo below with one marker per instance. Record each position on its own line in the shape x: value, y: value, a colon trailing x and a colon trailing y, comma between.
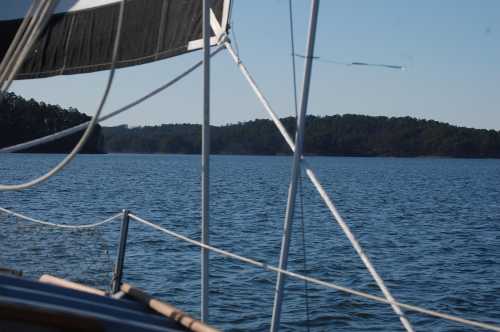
x: 80, y: 35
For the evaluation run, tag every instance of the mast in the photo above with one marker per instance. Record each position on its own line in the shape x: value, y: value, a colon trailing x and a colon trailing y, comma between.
x: 205, y: 159
x: 297, y: 154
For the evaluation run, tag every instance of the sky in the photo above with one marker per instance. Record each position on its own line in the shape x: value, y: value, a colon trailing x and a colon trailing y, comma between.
x: 450, y: 51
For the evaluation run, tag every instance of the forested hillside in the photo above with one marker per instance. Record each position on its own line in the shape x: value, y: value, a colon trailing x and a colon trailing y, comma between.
x: 346, y: 135
x: 22, y: 120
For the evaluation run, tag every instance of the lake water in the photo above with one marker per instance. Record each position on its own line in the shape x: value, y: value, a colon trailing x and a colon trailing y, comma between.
x: 430, y: 226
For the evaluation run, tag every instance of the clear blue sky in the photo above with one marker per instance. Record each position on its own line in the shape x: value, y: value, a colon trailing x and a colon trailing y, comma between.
x: 451, y: 51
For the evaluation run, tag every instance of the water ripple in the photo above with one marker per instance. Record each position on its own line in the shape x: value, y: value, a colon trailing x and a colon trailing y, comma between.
x: 430, y: 226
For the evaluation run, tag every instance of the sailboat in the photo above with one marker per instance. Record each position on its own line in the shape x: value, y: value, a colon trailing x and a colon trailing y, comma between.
x: 74, y: 37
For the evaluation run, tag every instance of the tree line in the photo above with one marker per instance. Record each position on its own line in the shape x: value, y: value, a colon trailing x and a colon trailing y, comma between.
x: 22, y: 120
x: 338, y: 135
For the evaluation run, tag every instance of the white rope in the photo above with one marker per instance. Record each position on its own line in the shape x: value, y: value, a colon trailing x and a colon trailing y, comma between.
x: 32, y: 17
x: 16, y: 42
x: 312, y: 176
x: 39, y: 24
x: 92, y: 123
x: 46, y: 223
x: 268, y: 267
x: 77, y: 128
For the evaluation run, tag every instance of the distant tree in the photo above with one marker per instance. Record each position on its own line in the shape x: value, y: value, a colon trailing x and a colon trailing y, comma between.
x: 22, y: 120
x: 345, y: 135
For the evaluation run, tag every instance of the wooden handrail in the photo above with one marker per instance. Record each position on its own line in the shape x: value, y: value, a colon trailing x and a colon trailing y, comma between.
x: 48, y: 279
x: 167, y: 310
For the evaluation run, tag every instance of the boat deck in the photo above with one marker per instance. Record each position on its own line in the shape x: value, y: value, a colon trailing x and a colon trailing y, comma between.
x: 27, y: 305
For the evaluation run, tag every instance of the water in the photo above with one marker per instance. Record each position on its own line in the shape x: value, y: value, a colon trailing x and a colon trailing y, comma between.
x: 430, y: 226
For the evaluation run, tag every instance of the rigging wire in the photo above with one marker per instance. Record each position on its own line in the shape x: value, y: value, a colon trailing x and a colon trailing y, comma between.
x: 301, y: 188
x: 355, y: 63
x: 294, y: 67
x: 235, y: 40
x: 233, y: 33
x: 304, y: 252
x: 92, y: 123
x: 320, y: 189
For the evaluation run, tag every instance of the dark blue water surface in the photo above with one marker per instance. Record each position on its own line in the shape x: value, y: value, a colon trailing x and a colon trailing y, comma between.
x: 430, y: 226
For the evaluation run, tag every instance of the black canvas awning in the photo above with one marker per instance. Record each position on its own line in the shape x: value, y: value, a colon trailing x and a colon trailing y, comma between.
x: 79, y: 37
